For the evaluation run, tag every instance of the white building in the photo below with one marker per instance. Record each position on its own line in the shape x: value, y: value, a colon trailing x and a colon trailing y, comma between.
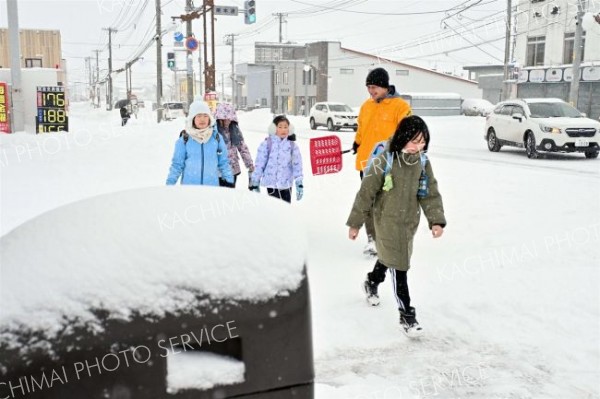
x: 347, y: 71
x: 544, y: 41
x: 546, y: 32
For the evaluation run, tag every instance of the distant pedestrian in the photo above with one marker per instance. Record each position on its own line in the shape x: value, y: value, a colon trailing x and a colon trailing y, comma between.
x: 378, y: 118
x: 228, y: 127
x: 124, y: 115
x: 200, y: 155
x: 395, y: 187
x: 279, y: 162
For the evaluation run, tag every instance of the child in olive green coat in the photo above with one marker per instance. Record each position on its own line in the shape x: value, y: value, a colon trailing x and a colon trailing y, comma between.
x: 397, y: 185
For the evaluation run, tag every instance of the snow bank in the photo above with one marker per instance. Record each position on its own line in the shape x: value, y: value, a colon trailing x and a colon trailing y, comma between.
x: 149, y: 250
x: 202, y: 370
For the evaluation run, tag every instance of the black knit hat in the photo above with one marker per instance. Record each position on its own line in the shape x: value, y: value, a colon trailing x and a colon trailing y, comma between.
x: 409, y: 128
x: 378, y: 77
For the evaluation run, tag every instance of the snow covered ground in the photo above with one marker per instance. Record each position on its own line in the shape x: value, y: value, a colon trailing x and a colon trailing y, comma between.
x: 508, y: 297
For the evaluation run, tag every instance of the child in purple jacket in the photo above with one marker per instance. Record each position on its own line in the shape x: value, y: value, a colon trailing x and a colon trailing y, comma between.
x: 279, y: 163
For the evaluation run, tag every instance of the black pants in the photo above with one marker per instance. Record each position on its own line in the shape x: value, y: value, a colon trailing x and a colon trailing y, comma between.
x: 285, y: 194
x: 223, y: 182
x: 124, y: 121
x: 369, y: 224
x: 399, y: 281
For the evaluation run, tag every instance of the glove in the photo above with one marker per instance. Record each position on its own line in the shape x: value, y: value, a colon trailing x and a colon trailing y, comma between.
x: 252, y: 185
x: 299, y: 190
x: 355, y: 147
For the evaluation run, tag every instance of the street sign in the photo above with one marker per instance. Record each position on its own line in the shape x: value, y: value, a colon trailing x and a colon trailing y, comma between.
x: 226, y: 10
x: 4, y: 108
x: 177, y: 44
x: 191, y: 43
x: 178, y: 36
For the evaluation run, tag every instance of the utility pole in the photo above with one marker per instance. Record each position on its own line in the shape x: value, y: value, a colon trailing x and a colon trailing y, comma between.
x: 18, y: 109
x: 281, y: 17
x: 158, y: 65
x: 574, y: 92
x: 110, y: 85
x: 188, y: 55
x: 96, y: 88
x: 231, y: 42
x: 223, y: 85
x: 505, y: 85
x: 305, y: 74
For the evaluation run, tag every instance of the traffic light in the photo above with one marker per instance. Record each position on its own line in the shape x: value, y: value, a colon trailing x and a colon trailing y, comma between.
x: 171, y: 60
x: 249, y: 12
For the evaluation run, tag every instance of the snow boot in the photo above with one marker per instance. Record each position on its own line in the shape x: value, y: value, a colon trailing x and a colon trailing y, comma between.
x: 409, y: 323
x: 370, y: 251
x: 371, y: 292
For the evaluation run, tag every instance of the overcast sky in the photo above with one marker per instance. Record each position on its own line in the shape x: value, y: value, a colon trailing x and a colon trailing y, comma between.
x: 408, y: 31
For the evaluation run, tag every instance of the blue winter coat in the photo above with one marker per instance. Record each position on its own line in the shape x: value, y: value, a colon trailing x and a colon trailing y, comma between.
x: 200, y: 163
x: 277, y: 166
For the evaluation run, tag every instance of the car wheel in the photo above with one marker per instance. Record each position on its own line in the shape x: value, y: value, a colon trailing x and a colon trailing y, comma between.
x: 330, y: 125
x: 492, y: 141
x: 313, y: 125
x: 591, y: 154
x: 530, y: 146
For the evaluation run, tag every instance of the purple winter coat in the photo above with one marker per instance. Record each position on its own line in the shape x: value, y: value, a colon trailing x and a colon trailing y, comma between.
x: 277, y: 166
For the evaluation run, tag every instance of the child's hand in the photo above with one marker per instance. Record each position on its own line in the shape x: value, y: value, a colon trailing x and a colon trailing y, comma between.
x: 353, y: 233
x: 437, y: 231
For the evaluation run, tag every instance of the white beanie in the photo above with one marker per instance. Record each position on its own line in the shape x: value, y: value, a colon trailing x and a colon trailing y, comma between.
x: 199, y: 107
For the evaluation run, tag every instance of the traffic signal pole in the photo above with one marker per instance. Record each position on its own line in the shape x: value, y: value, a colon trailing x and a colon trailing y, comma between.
x: 188, y: 57
x: 159, y: 62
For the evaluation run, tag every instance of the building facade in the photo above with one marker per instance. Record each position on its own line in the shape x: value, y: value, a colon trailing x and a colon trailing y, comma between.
x: 39, y: 49
x: 544, y: 48
x: 325, y: 71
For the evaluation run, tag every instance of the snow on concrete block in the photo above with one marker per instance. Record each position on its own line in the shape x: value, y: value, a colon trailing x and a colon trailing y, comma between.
x: 201, y: 371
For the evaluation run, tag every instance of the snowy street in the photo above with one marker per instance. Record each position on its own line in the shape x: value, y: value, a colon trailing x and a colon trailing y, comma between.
x: 509, y: 297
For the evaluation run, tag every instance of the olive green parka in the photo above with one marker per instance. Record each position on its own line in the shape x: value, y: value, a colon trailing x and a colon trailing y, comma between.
x: 396, y: 212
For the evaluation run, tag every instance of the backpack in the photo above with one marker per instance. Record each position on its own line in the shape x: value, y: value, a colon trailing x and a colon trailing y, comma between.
x: 423, y: 190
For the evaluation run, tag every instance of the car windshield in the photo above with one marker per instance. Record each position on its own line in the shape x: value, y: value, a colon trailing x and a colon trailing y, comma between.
x: 553, y: 110
x: 340, y: 108
x: 175, y: 105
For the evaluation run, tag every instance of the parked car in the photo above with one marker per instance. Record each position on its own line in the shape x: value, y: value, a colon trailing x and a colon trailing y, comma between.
x: 542, y: 124
x: 173, y: 110
x: 333, y: 115
x: 476, y: 107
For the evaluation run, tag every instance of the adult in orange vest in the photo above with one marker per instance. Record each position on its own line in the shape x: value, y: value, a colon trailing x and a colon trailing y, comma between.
x: 378, y: 119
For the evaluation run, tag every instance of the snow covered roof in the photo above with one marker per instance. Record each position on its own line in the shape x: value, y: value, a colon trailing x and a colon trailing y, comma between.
x: 148, y: 250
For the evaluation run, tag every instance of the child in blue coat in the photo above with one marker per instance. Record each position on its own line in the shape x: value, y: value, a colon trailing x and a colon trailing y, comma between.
x: 200, y: 155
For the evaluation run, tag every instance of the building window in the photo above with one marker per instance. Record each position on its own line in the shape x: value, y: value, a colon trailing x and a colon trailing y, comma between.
x: 346, y: 71
x: 285, y: 78
x: 33, y: 62
x: 263, y: 102
x: 401, y: 72
x: 276, y: 78
x: 536, y: 47
x: 569, y: 45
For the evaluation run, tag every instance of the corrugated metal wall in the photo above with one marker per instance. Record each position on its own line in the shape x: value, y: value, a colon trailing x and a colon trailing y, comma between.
x: 589, y: 94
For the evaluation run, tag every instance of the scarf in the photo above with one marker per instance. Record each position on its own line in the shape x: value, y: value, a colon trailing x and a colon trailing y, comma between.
x: 200, y: 135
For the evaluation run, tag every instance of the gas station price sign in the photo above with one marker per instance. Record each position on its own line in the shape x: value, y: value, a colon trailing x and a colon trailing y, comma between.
x: 51, y: 110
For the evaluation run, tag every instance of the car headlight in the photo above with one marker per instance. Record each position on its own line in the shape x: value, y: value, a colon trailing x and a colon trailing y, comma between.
x: 549, y: 129
x: 339, y: 116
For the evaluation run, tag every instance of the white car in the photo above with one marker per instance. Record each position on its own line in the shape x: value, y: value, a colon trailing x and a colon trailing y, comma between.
x: 541, y: 124
x: 173, y: 110
x: 476, y: 107
x: 333, y: 115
